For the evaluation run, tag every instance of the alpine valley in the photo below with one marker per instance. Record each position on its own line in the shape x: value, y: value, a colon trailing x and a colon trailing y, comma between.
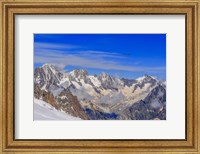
x: 76, y: 95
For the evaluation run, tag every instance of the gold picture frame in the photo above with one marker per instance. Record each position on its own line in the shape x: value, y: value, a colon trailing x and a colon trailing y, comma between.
x: 9, y: 8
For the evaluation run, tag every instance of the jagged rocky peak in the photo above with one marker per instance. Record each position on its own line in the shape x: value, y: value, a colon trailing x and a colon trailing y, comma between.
x: 47, y: 65
x: 151, y: 107
x: 79, y: 73
x: 48, y: 76
x: 108, y: 82
x: 105, y: 77
x: 146, y: 78
x: 70, y: 104
x: 128, y: 82
x: 51, y: 68
x: 157, y: 97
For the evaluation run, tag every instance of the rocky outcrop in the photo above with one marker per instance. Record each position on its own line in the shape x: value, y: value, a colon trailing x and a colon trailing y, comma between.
x: 65, y: 102
x: 152, y: 107
x: 109, y: 82
x: 70, y: 104
x: 128, y: 82
x: 98, y: 115
x: 45, y: 96
x: 145, y: 80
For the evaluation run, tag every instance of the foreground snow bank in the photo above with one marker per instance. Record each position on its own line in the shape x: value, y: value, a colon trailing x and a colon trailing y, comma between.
x: 44, y: 111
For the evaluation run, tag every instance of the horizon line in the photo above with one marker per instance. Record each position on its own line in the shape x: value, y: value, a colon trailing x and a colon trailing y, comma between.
x: 97, y: 74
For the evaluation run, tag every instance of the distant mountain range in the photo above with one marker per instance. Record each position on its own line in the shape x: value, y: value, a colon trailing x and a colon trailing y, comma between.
x: 100, y: 97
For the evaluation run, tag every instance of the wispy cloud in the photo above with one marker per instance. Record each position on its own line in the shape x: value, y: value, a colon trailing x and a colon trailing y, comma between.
x: 88, y: 59
x: 100, y: 54
x: 40, y: 45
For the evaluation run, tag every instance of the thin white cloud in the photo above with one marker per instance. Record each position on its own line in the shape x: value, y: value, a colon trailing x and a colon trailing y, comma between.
x: 56, y: 54
x: 98, y: 62
x: 41, y: 45
x: 60, y: 48
x: 103, y: 54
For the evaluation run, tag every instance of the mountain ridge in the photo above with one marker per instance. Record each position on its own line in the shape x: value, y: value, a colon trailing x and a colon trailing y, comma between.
x: 96, y: 94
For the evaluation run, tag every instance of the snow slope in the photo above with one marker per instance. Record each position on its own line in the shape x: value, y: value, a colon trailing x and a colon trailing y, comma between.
x: 44, y: 111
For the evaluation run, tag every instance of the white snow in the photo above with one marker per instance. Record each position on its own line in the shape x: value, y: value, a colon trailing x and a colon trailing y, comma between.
x: 140, y: 79
x: 65, y: 79
x: 95, y: 93
x: 52, y: 70
x: 95, y: 81
x: 114, y: 98
x: 44, y: 111
x: 76, y: 85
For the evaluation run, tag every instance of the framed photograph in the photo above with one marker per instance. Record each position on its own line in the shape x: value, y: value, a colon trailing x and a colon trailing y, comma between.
x: 99, y: 76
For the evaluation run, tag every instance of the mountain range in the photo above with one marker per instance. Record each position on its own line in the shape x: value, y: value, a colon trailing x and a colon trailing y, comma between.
x: 100, y: 97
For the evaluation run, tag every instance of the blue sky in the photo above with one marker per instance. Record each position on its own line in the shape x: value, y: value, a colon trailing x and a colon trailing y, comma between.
x: 121, y: 55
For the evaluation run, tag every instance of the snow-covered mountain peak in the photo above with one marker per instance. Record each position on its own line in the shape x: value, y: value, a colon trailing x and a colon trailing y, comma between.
x: 79, y: 73
x: 109, y: 82
x: 146, y: 78
x: 104, y: 75
x: 144, y: 84
x: 47, y: 65
x: 50, y: 68
x: 48, y: 76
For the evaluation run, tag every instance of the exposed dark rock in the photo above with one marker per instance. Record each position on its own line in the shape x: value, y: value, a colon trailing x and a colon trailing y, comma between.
x: 71, y: 105
x: 98, y: 115
x: 128, y: 82
x: 153, y: 106
x: 108, y: 82
x: 147, y: 79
